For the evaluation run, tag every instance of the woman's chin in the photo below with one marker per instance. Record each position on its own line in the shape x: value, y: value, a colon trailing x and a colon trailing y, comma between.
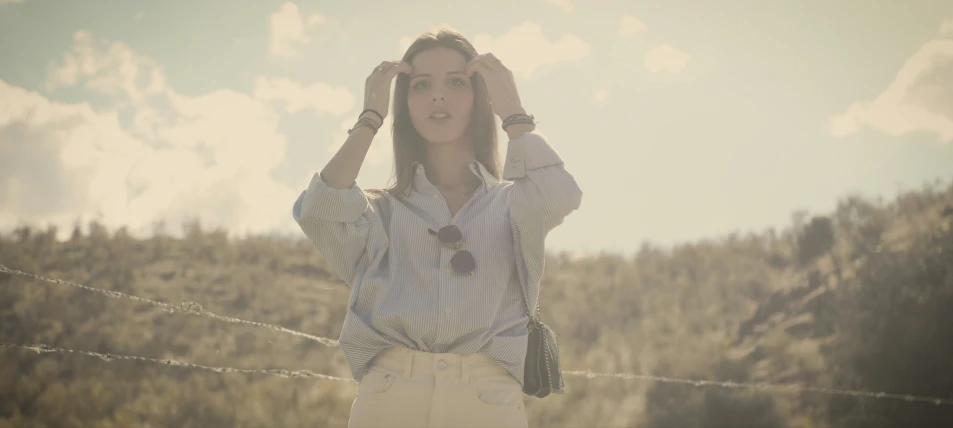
x: 441, y: 136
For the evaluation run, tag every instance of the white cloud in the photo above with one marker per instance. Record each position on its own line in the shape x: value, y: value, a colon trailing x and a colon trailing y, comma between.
x: 287, y: 30
x: 565, y: 5
x: 665, y: 58
x: 919, y: 99
x: 320, y: 97
x: 164, y: 155
x: 946, y: 28
x: 118, y: 71
x: 630, y: 26
x: 524, y: 48
x: 74, y: 156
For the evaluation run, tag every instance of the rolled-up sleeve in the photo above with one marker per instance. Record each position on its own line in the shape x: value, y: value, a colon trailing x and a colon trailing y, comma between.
x: 338, y: 224
x: 542, y: 195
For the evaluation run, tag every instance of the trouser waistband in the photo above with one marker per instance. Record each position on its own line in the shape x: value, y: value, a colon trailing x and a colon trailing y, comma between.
x: 411, y: 363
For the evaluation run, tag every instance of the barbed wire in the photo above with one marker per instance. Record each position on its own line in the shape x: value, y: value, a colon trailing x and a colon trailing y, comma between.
x: 186, y: 307
x: 287, y: 374
x: 766, y: 386
x: 196, y: 309
x: 299, y: 374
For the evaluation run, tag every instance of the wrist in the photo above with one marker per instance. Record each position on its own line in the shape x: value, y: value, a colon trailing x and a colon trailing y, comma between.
x: 365, y: 123
x: 364, y: 129
x: 373, y: 114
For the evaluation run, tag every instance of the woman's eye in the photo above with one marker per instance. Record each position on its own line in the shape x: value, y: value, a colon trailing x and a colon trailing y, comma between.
x: 421, y: 84
x: 458, y: 82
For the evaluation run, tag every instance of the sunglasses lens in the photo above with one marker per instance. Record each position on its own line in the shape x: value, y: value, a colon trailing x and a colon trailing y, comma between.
x: 463, y: 262
x: 450, y: 235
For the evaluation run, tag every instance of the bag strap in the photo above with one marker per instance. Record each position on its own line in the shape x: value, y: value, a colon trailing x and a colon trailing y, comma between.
x: 532, y: 317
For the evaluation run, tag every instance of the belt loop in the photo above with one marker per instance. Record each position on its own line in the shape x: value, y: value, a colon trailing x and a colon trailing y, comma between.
x: 465, y: 367
x: 408, y: 365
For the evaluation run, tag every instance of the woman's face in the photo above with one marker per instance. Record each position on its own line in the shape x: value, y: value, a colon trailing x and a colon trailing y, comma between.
x: 440, y: 97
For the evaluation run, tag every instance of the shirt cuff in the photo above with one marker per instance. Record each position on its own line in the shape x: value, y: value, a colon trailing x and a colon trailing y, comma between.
x: 330, y: 204
x: 528, y: 152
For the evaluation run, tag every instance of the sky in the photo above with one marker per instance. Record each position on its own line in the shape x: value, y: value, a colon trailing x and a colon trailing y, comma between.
x: 680, y: 120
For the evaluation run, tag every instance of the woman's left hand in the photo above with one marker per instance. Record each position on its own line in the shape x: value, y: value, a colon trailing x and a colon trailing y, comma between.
x: 500, y: 85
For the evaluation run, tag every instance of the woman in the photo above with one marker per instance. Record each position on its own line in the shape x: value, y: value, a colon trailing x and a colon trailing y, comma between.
x: 436, y: 326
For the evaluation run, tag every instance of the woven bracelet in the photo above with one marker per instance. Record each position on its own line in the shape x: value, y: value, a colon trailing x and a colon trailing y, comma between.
x: 519, y: 118
x: 368, y: 122
x: 527, y: 119
x: 525, y: 122
x: 372, y: 111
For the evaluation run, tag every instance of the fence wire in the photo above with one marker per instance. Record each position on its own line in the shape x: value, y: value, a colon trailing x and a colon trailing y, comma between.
x: 193, y: 308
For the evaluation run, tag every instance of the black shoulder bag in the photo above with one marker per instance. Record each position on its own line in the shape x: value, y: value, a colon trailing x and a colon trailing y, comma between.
x: 541, y: 375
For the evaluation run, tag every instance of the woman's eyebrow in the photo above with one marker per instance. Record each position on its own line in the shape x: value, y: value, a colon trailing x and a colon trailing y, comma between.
x: 428, y: 75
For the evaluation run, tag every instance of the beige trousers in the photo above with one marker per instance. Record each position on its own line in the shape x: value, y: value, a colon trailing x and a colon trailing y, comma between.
x: 407, y: 388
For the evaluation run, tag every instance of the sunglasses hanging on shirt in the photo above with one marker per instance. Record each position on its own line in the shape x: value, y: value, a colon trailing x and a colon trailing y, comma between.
x: 462, y: 261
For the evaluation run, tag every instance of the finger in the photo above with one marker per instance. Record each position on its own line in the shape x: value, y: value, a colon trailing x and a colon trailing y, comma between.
x: 377, y: 69
x: 484, y: 69
x: 403, y: 67
x: 475, y: 64
x: 382, y: 70
x: 391, y: 73
x: 495, y: 62
x: 394, y: 69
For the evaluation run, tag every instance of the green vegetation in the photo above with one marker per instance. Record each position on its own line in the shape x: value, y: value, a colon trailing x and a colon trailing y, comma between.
x: 858, y: 299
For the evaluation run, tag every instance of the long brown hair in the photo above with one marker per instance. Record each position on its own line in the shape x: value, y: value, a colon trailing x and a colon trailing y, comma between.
x: 409, y: 146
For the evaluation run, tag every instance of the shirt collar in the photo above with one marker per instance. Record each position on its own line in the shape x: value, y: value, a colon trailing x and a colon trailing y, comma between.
x: 423, y: 185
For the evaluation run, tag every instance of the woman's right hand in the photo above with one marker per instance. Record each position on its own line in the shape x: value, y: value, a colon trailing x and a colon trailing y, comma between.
x: 377, y: 87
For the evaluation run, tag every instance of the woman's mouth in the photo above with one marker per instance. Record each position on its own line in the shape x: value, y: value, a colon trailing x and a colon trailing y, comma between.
x: 440, y: 117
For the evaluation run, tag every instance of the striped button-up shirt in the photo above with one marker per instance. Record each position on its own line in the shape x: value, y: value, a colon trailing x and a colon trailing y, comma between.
x: 402, y: 290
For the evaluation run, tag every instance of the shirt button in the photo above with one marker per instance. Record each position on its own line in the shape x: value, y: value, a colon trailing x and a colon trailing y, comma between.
x: 447, y: 311
x: 441, y: 364
x: 435, y: 196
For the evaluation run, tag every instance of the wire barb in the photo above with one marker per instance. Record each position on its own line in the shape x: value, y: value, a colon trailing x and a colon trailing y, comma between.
x: 187, y: 307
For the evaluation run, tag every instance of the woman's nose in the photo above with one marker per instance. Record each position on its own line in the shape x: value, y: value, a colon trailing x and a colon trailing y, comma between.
x: 438, y: 91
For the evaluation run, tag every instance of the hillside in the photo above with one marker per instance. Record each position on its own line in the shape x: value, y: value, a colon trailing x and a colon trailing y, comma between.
x: 859, y: 298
